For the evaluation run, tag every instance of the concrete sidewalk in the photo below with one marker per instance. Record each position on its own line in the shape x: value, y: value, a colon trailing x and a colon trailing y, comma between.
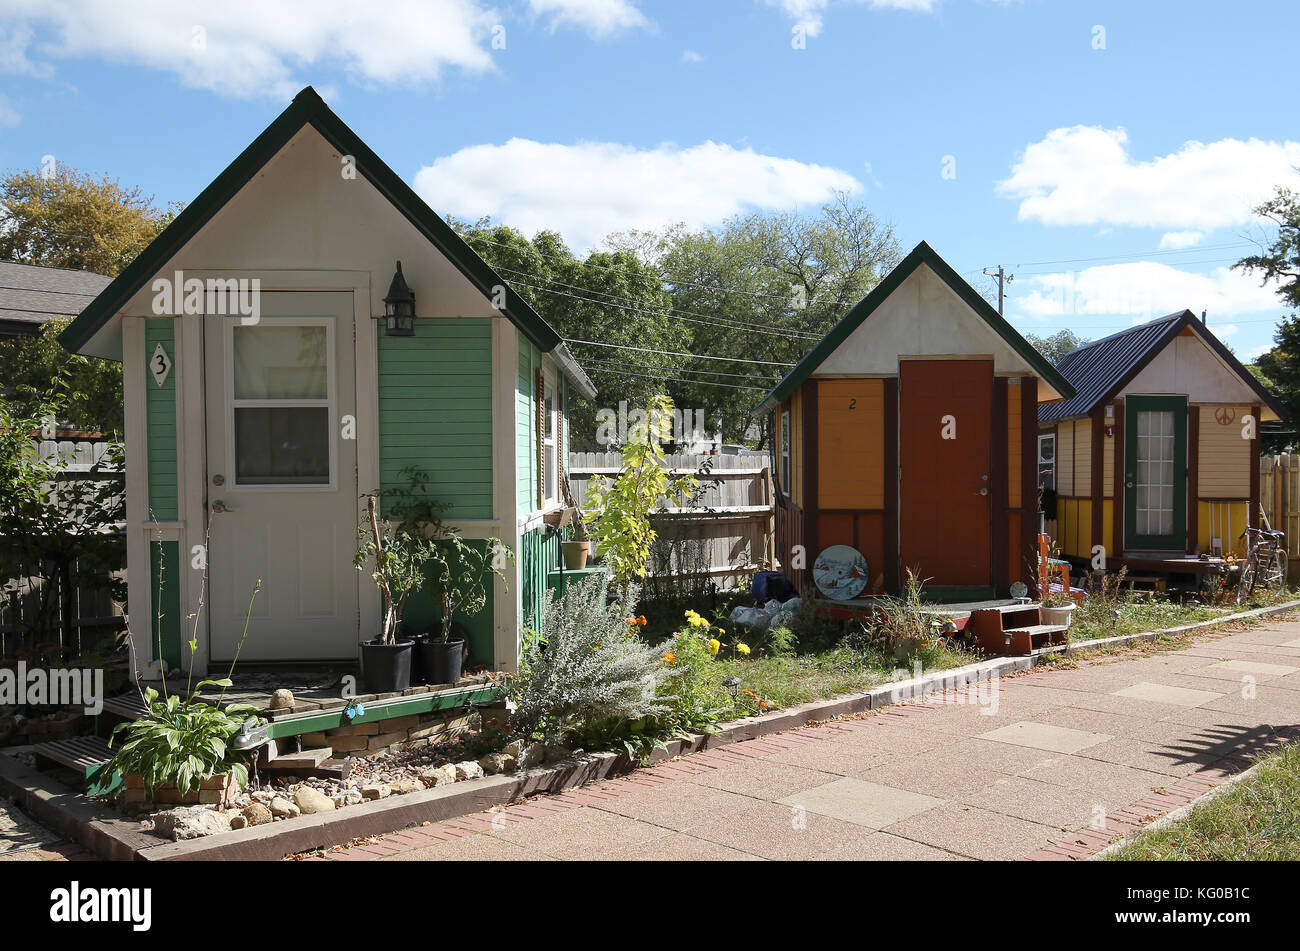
x: 1065, y: 762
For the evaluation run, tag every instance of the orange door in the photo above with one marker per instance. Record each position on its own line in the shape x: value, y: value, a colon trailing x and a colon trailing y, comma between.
x: 945, y: 488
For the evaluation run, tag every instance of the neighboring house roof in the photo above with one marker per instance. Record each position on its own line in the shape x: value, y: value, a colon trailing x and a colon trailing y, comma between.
x: 308, y: 108
x: 1101, y: 369
x: 921, y: 254
x: 30, y: 295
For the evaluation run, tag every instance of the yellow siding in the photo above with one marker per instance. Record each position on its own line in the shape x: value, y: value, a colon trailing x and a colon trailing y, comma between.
x: 1074, y: 527
x: 1065, y: 459
x: 1013, y: 445
x: 1108, y: 527
x: 1224, y: 521
x: 1083, y: 457
x: 851, y: 444
x: 1224, y: 456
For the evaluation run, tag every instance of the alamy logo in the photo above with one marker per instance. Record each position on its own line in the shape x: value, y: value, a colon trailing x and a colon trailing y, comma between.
x: 217, y: 296
x: 76, y: 904
x: 62, y: 687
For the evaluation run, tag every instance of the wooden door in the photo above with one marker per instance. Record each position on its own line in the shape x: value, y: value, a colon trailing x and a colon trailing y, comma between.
x: 945, y: 460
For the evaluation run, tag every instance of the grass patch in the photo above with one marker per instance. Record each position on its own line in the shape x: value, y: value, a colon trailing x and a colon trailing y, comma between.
x: 1258, y: 819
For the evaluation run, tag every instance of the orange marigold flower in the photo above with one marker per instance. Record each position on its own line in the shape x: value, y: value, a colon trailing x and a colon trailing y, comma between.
x: 669, y: 658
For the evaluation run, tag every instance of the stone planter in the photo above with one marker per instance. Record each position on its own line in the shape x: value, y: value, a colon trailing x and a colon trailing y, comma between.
x: 217, y: 790
x: 1060, y: 615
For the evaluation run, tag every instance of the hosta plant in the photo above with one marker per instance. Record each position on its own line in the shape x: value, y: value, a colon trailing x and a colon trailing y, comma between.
x: 182, y: 741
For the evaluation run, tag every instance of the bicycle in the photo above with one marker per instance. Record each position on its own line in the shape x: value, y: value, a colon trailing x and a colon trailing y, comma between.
x: 1265, y: 564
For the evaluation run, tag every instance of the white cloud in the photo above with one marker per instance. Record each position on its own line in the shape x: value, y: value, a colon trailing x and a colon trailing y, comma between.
x: 598, y: 17
x: 1084, y: 175
x: 1140, y: 291
x: 13, y: 54
x: 690, y: 56
x: 255, y: 47
x: 588, y: 190
x: 8, y: 115
x: 1177, y: 240
x: 809, y: 13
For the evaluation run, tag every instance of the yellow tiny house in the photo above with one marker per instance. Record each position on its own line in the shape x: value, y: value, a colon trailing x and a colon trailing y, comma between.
x: 1157, y: 455
x: 908, y: 433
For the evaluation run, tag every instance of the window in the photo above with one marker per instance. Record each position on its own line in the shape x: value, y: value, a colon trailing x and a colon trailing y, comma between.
x: 785, y: 452
x: 551, y: 466
x: 281, y: 405
x: 1047, y: 461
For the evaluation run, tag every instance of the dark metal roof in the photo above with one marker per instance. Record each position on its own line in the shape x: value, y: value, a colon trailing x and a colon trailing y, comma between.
x: 31, y: 295
x: 1100, y: 369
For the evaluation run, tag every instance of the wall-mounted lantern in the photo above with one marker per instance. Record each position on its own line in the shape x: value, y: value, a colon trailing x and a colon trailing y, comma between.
x: 399, y: 307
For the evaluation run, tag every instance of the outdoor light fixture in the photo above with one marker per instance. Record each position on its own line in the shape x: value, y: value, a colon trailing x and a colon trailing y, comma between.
x: 399, y: 307
x: 732, y: 684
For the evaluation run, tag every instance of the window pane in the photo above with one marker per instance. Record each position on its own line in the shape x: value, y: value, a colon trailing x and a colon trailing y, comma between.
x: 282, y: 446
x: 280, y: 363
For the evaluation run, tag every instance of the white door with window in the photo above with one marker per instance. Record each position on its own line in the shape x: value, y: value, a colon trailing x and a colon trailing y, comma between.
x: 282, y: 492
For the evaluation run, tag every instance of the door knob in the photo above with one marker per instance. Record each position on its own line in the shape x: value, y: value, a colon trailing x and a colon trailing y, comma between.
x: 220, y: 506
x: 218, y: 479
x: 983, y: 491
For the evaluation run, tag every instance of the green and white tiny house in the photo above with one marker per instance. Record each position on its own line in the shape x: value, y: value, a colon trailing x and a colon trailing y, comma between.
x: 265, y: 395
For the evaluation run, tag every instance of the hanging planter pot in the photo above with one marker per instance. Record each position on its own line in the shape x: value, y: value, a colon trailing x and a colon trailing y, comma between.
x: 575, y: 554
x: 386, y: 668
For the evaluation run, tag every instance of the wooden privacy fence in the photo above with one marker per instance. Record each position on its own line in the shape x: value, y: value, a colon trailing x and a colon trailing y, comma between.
x: 1279, y: 496
x: 727, y: 534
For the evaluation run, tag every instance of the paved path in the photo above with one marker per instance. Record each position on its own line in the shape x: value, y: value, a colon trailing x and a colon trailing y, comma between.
x: 1063, y: 762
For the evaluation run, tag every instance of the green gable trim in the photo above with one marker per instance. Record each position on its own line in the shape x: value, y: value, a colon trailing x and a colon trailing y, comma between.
x: 165, y: 595
x: 921, y: 254
x: 160, y: 423
x: 435, y: 411
x: 308, y: 108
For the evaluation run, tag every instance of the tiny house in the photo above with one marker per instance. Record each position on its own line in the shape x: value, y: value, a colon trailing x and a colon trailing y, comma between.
x: 1157, y: 454
x: 271, y: 378
x: 909, y: 433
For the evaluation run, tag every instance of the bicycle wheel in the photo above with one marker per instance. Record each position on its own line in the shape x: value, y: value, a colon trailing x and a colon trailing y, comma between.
x: 1246, y: 586
x: 1277, y: 570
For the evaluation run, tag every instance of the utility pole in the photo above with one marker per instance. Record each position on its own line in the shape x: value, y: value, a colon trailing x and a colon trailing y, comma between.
x: 1003, y: 279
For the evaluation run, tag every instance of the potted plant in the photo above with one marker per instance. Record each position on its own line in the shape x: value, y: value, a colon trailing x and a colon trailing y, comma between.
x: 460, y: 574
x: 1056, y: 607
x: 577, y: 548
x: 399, y: 554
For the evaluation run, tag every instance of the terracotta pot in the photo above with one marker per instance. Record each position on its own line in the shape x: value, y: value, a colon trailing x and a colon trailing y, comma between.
x: 575, y: 554
x: 1059, y: 615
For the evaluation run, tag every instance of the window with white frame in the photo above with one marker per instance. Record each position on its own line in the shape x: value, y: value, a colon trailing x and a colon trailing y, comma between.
x: 785, y: 452
x: 552, y: 453
x: 1047, y: 461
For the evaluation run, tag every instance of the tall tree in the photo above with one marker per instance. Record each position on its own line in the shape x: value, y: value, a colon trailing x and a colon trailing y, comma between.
x: 1057, y: 345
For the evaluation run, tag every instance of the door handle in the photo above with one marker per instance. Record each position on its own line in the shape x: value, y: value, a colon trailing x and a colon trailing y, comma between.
x: 220, y: 506
x: 983, y: 491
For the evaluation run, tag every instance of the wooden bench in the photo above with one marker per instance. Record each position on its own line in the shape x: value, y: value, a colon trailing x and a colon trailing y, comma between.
x: 87, y: 756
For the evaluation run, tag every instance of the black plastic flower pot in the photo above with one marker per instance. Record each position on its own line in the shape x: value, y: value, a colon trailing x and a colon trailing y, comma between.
x: 386, y: 668
x: 440, y: 661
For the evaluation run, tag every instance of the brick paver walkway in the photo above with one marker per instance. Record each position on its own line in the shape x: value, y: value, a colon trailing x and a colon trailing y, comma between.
x: 1053, y: 764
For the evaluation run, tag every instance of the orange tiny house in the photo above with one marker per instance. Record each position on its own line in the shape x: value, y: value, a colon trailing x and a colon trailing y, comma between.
x: 1165, y: 412
x: 909, y: 433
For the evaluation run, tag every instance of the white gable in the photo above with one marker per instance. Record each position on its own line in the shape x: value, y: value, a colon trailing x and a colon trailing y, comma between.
x: 1187, y: 365
x: 923, y: 317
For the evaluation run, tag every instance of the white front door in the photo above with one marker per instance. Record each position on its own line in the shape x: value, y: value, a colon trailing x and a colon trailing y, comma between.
x: 282, y: 491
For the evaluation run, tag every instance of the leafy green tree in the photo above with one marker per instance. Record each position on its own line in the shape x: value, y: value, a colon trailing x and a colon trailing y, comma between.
x: 1057, y: 345
x: 28, y: 364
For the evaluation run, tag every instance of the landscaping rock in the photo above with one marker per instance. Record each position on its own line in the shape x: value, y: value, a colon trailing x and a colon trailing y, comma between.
x: 190, y: 822
x: 376, y: 791
x: 239, y: 821
x: 526, y: 754
x: 282, y: 699
x: 403, y: 786
x: 468, y: 770
x: 282, y: 808
x: 257, y: 814
x: 495, y: 763
x: 553, y: 753
x: 311, y: 801
x: 441, y: 775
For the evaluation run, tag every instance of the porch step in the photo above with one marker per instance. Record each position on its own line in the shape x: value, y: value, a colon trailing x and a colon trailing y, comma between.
x: 307, y: 759
x: 87, y: 756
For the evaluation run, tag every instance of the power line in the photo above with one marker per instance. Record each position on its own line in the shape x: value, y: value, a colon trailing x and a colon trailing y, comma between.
x: 1140, y: 254
x: 674, y: 353
x: 669, y: 379
x: 647, y: 366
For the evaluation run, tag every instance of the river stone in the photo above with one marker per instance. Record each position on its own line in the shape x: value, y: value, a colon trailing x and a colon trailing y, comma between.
x: 282, y: 699
x: 282, y: 808
x: 312, y: 800
x: 257, y: 814
x: 468, y: 770
x: 190, y: 822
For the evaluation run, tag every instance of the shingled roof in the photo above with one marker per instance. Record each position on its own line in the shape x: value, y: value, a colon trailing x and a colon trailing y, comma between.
x: 1101, y: 369
x: 31, y: 295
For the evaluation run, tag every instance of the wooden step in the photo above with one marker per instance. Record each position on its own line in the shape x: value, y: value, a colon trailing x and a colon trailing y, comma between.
x: 307, y: 759
x: 1035, y: 630
x: 88, y: 756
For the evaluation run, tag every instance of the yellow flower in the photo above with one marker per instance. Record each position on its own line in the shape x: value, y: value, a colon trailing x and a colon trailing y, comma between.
x: 714, y: 645
x: 743, y: 648
x: 669, y: 658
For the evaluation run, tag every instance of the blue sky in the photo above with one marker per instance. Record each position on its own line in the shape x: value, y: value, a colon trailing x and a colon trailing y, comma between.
x: 1108, y: 153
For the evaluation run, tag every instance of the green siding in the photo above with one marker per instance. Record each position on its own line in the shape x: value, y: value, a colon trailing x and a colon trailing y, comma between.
x: 160, y: 421
x: 435, y: 411
x: 424, y: 610
x: 539, y: 552
x: 165, y: 594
